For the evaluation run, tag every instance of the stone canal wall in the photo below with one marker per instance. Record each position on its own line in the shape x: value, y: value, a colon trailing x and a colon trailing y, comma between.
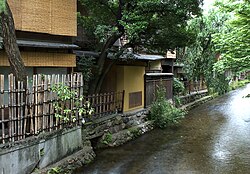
x: 72, y: 148
x: 39, y: 152
x: 192, y: 97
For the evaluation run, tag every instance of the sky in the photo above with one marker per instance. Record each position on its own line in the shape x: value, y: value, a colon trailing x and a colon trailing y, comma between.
x: 207, y: 4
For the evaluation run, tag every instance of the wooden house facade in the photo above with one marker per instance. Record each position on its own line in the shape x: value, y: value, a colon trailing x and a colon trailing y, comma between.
x: 159, y: 72
x: 45, y: 30
x: 138, y: 78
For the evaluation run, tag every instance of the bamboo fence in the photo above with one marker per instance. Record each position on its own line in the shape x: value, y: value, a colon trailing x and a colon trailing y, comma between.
x: 28, y: 112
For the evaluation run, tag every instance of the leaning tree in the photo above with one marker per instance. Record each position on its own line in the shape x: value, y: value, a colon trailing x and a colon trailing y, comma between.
x: 151, y: 25
x: 9, y: 41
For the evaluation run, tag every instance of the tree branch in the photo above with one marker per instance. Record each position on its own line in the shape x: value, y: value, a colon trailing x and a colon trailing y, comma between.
x: 108, y: 7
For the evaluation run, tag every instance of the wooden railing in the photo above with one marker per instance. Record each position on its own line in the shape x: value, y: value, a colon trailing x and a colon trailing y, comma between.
x: 106, y: 103
x: 30, y: 111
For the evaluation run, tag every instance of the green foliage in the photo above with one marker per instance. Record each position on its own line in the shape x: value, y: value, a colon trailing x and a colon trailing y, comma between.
x: 233, y: 43
x: 177, y: 101
x: 55, y: 170
x: 219, y: 85
x: 107, y: 138
x: 238, y: 84
x: 63, y: 104
x: 41, y: 152
x: 2, y: 5
x: 248, y: 77
x: 156, y: 25
x: 151, y: 26
x: 178, y: 86
x: 85, y: 64
x: 103, y: 32
x: 200, y: 57
x: 135, y: 131
x: 2, y: 9
x: 163, y: 113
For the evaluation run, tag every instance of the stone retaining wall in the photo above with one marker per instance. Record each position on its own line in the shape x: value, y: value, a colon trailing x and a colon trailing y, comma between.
x: 192, y: 97
x: 40, y: 152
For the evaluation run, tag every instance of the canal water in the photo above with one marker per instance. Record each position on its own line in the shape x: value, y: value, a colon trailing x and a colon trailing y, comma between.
x: 213, y: 138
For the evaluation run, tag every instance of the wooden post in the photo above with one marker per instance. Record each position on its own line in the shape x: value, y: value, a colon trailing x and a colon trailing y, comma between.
x: 45, y: 102
x: 58, y: 120
x: 123, y: 95
x: 11, y: 126
x: 94, y: 103
x: 74, y: 86
x: 189, y: 86
x: 27, y: 105
x: 51, y: 109
x: 81, y: 93
x: 2, y: 106
x: 50, y: 103
x: 19, y: 110
x: 101, y: 104
x: 32, y: 109
x: 108, y: 102
x: 40, y: 92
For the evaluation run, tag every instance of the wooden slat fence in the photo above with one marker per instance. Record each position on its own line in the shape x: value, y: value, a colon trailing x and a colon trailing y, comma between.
x: 29, y: 112
x: 106, y: 103
x: 151, y: 87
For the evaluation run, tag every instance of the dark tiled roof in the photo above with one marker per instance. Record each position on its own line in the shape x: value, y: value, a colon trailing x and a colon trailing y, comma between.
x: 39, y: 44
x: 159, y: 74
x: 86, y: 53
x: 148, y: 57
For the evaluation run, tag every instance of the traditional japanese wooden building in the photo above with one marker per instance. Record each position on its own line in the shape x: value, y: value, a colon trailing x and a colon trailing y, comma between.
x: 45, y: 30
x: 139, y: 78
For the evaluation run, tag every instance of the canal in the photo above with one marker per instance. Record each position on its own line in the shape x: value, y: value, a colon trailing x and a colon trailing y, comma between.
x: 213, y: 138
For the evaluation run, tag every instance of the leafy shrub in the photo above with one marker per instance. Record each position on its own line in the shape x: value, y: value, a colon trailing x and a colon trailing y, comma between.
x: 55, y: 170
x: 248, y: 77
x: 239, y: 84
x: 63, y: 104
x: 163, y: 113
x: 219, y: 85
x: 85, y: 65
x: 178, y: 87
x: 107, y: 138
x: 177, y: 101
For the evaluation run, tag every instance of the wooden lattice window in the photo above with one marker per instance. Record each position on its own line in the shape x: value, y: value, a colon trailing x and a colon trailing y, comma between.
x: 135, y: 99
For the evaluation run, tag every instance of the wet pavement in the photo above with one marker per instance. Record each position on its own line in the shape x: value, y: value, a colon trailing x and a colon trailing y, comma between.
x: 213, y: 138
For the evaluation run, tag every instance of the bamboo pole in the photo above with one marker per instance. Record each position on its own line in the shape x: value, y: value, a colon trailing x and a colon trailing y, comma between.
x: 45, y: 117
x: 51, y: 108
x: 10, y: 80
x: 18, y: 104
x: 27, y: 105
x: 35, y: 104
x: 2, y: 106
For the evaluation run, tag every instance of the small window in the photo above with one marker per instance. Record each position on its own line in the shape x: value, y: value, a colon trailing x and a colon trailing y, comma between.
x: 135, y: 99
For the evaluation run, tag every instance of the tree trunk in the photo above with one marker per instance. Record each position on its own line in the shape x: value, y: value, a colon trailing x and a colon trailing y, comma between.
x: 10, y: 45
x: 105, y: 72
x: 95, y: 85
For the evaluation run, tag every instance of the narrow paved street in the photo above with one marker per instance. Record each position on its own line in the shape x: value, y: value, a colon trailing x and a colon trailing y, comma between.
x: 214, y: 138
